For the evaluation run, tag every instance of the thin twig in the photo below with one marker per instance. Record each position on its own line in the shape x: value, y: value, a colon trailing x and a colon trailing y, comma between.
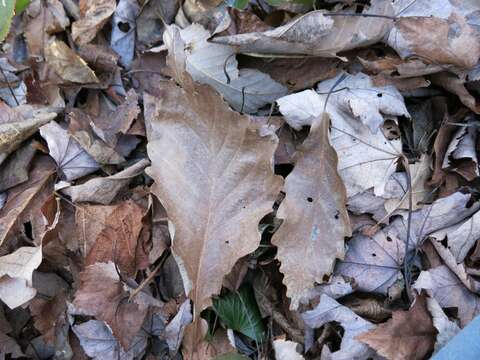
x: 406, y: 260
x: 362, y: 15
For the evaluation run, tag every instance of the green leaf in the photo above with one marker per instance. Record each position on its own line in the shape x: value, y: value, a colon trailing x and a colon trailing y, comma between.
x: 231, y: 356
x: 239, y: 311
x: 6, y: 13
x: 240, y: 4
x: 21, y: 5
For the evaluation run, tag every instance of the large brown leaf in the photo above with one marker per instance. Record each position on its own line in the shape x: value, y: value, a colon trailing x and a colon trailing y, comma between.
x: 315, y: 215
x: 408, y: 335
x: 213, y: 173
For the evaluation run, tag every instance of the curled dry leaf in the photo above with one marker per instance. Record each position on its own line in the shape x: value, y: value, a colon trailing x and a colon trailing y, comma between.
x: 213, y: 174
x: 16, y: 272
x: 409, y: 335
x: 117, y: 242
x: 314, y: 213
x: 101, y: 294
x: 24, y: 200
x: 124, y: 27
x: 72, y: 160
x: 102, y: 190
x: 316, y: 33
x: 175, y: 328
x: 70, y: 67
x: 19, y: 124
x: 93, y: 15
x: 330, y: 310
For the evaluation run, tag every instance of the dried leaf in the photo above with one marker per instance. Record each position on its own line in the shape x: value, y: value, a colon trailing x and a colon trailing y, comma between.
x: 446, y: 329
x: 22, y: 198
x: 67, y: 65
x: 123, y: 30
x: 19, y: 125
x: 94, y: 14
x: 365, y: 157
x: 217, y: 157
x: 449, y: 291
x: 315, y: 33
x: 408, y: 335
x: 314, y: 213
x: 99, y: 343
x: 450, y: 41
x: 16, y: 272
x: 15, y: 169
x: 101, y: 294
x: 175, y: 328
x: 330, y: 310
x: 104, y: 190
x: 72, y: 160
x: 245, y: 90
x: 286, y: 350
x: 117, y: 242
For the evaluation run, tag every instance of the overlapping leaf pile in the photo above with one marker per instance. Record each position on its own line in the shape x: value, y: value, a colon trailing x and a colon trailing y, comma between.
x: 204, y: 179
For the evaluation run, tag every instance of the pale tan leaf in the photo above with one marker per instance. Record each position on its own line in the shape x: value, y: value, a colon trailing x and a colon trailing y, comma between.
x: 315, y: 219
x: 408, y: 335
x: 16, y: 272
x: 103, y: 190
x: 93, y: 15
x: 70, y: 67
x: 446, y: 328
x: 213, y: 173
x: 18, y: 124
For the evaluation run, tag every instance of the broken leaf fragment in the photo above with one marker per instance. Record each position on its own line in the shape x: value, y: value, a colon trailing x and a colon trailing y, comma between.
x: 93, y: 15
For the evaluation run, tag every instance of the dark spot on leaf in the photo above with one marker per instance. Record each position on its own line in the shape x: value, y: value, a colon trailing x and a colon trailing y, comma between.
x: 379, y: 94
x: 374, y: 255
x: 309, y: 199
x: 124, y: 26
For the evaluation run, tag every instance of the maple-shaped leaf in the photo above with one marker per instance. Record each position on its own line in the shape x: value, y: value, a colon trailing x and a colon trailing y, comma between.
x: 314, y: 213
x: 357, y: 108
x: 409, y: 335
x: 101, y: 294
x: 213, y: 174
x: 376, y: 263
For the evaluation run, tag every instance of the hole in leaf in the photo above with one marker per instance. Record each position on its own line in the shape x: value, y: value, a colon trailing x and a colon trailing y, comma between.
x: 124, y: 26
x: 379, y: 94
x: 309, y: 199
x: 374, y: 255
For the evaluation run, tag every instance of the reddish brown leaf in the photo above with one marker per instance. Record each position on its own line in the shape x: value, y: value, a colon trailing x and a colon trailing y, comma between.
x: 408, y: 335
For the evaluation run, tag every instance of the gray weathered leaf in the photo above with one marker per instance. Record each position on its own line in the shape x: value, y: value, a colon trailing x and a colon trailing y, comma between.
x: 330, y: 310
x: 123, y: 30
x: 71, y: 158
